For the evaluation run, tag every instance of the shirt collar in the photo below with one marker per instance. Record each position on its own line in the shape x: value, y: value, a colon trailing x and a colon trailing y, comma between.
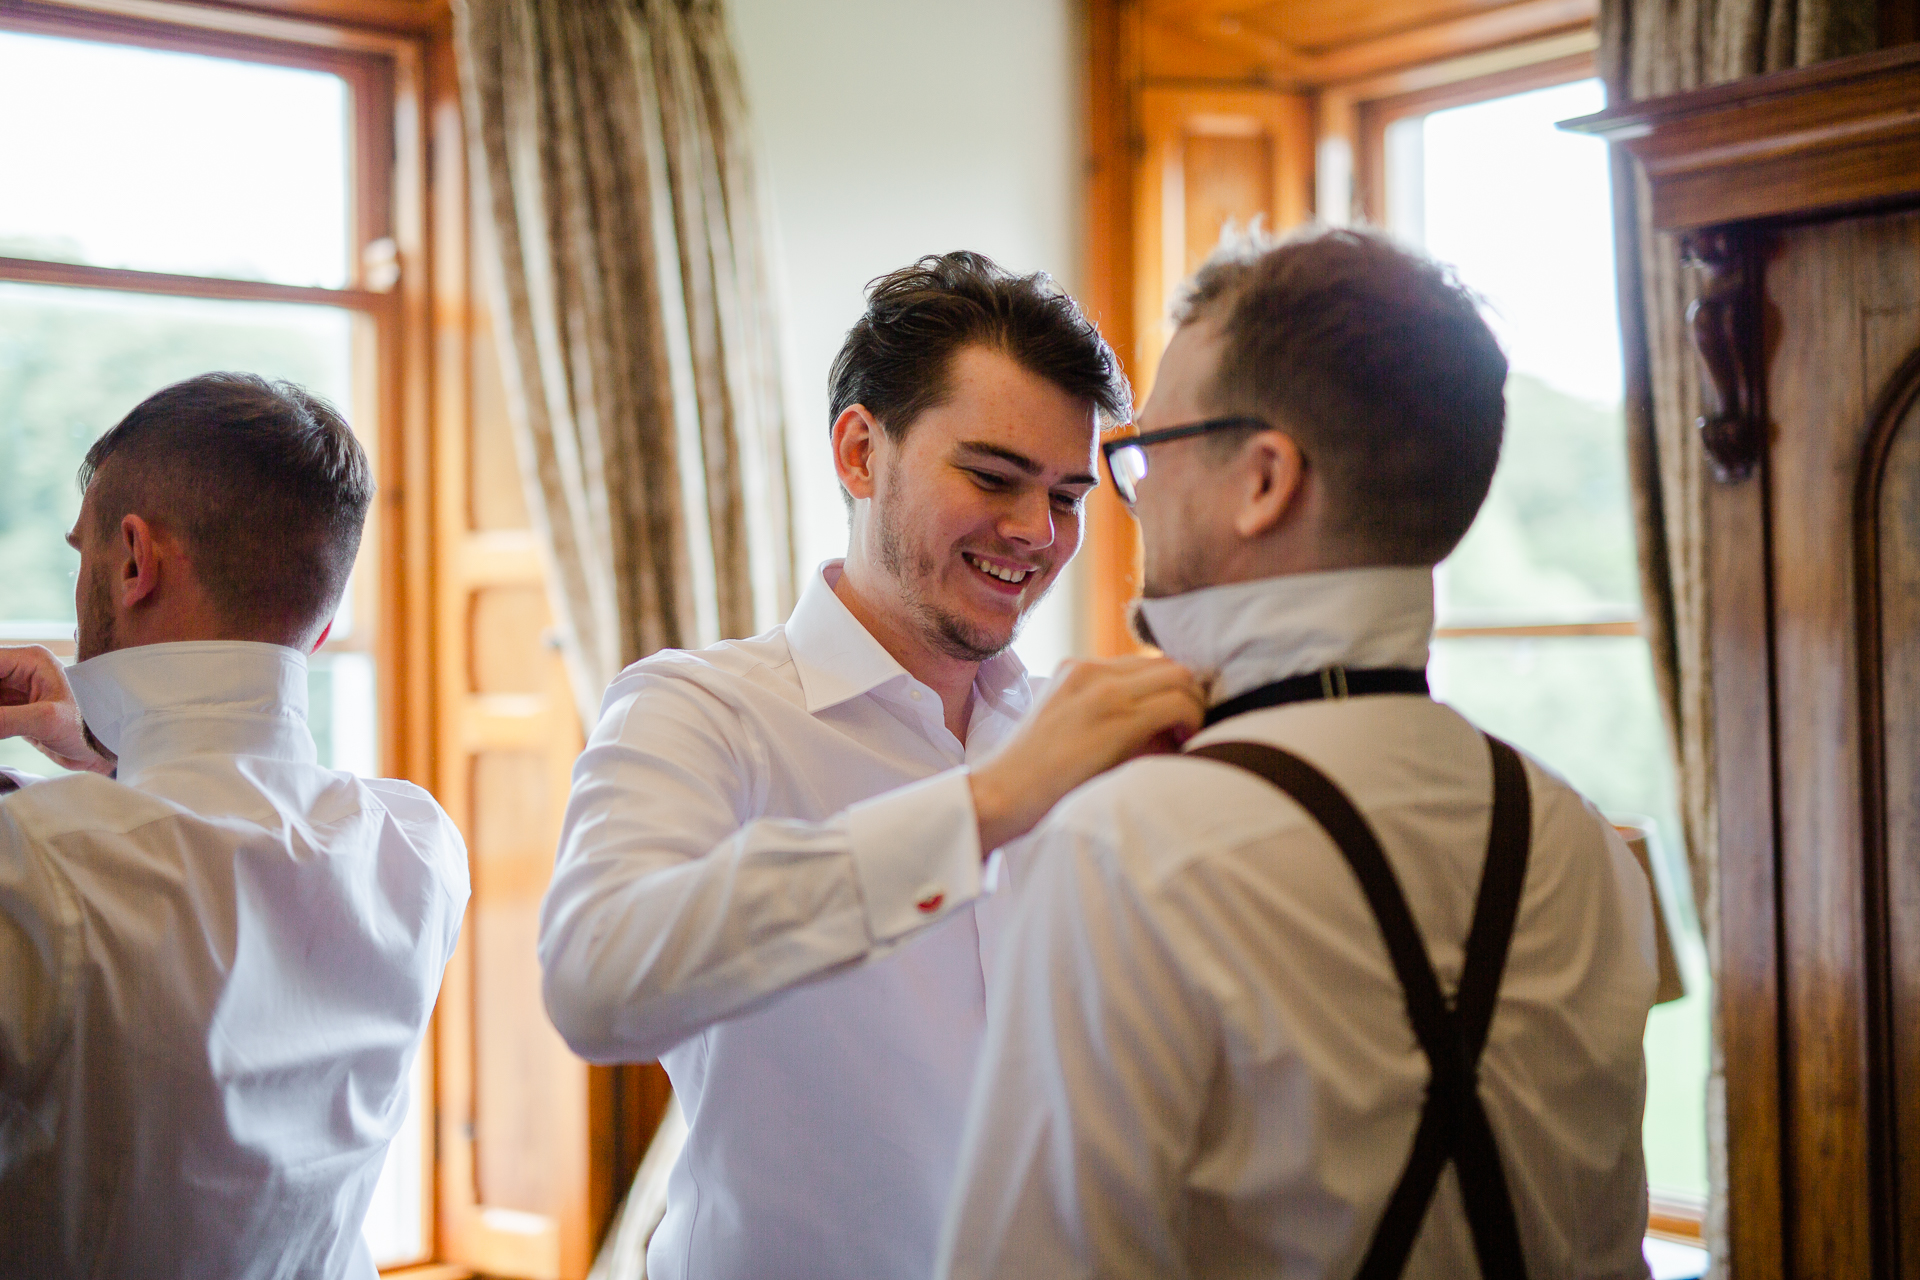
x: 837, y: 659
x: 157, y: 702
x: 1245, y: 634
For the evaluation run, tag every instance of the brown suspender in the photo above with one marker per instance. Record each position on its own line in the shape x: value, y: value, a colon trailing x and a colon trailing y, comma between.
x: 1453, y: 1123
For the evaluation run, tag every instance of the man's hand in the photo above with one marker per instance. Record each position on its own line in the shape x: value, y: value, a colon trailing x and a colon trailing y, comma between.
x: 37, y: 703
x: 1095, y: 715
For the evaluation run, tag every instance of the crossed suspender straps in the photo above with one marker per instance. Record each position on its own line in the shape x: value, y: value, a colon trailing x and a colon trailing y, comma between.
x: 1453, y: 1123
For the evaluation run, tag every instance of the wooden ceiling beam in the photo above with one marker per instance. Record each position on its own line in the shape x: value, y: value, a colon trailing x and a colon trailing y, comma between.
x: 1281, y: 59
x: 1468, y: 33
x: 1203, y: 10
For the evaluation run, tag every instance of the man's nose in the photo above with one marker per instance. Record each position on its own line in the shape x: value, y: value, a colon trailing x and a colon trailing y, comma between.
x: 1030, y: 522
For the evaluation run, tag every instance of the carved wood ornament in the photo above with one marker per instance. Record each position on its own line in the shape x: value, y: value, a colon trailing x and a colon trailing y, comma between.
x: 1724, y: 320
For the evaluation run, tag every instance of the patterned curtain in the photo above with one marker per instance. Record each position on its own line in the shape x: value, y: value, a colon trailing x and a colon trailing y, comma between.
x: 1650, y: 48
x: 616, y: 209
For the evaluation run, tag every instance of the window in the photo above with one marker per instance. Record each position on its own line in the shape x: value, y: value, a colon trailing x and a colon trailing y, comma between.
x: 168, y: 213
x: 1539, y: 610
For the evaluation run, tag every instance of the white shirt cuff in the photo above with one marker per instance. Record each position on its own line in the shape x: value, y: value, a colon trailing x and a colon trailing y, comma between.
x: 916, y: 852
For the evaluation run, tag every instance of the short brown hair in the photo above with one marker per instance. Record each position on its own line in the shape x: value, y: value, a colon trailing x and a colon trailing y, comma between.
x: 897, y: 358
x: 1378, y: 363
x: 263, y: 482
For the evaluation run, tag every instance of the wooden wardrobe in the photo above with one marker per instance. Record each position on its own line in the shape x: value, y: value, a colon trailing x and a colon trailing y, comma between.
x: 1798, y: 197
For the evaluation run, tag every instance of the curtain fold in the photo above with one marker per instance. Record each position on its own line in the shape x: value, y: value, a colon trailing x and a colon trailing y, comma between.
x: 1650, y: 48
x: 617, y: 214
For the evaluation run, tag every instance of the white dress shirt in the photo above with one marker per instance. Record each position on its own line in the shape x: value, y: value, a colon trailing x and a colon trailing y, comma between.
x: 217, y: 969
x: 759, y: 836
x: 1199, y: 1061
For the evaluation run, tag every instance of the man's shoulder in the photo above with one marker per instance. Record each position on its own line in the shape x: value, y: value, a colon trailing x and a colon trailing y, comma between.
x: 80, y: 802
x: 721, y: 670
x: 407, y: 802
x: 1157, y: 814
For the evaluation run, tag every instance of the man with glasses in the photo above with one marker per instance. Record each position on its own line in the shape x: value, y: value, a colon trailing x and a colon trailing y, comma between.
x: 1347, y: 988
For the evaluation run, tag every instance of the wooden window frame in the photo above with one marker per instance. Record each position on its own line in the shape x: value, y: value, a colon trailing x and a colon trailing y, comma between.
x: 387, y: 171
x: 1372, y: 116
x: 380, y: 71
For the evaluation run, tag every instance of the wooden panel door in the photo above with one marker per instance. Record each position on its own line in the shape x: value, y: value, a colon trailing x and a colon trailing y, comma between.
x: 535, y: 1146
x: 1212, y: 157
x: 1209, y: 157
x: 1873, y: 299
x: 1847, y: 294
x: 1890, y: 639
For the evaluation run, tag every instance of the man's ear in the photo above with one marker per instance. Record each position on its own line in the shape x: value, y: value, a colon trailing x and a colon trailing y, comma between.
x: 138, y: 553
x: 856, y: 438
x: 1274, y: 472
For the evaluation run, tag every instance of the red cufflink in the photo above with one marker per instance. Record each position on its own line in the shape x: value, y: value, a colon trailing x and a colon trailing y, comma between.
x: 931, y: 903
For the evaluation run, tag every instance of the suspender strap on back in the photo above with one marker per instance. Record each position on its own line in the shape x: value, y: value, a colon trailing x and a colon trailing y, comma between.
x: 1453, y: 1123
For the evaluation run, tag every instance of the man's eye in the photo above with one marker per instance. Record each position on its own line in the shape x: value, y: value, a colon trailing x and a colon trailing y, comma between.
x: 1069, y: 502
x: 988, y: 480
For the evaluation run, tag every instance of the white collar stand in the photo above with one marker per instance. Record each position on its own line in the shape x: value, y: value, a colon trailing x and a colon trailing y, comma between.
x: 1245, y: 634
x: 152, y: 703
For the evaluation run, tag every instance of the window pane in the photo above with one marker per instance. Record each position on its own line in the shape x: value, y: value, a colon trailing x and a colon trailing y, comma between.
x: 393, y: 1219
x: 125, y: 157
x: 1522, y: 212
x: 15, y: 754
x: 74, y: 361
x: 1587, y: 708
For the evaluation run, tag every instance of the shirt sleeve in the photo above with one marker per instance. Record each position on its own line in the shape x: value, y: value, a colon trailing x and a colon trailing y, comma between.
x: 12, y: 780
x: 38, y: 936
x: 673, y: 907
x: 1091, y: 1086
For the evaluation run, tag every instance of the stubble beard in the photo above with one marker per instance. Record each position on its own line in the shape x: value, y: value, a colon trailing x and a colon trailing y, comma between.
x: 1189, y: 567
x: 94, y: 634
x: 912, y: 570
x: 1188, y: 572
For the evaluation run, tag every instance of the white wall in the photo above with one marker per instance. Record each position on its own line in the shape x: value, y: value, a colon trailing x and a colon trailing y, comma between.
x: 890, y: 129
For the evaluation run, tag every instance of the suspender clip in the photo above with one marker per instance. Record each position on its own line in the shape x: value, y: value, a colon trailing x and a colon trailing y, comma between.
x: 1333, y: 683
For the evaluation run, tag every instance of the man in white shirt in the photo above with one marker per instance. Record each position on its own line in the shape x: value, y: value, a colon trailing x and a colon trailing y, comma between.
x: 218, y: 957
x: 771, y: 870
x: 1209, y: 1036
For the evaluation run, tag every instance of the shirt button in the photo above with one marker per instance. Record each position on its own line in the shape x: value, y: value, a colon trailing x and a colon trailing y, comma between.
x: 914, y: 694
x: 929, y: 899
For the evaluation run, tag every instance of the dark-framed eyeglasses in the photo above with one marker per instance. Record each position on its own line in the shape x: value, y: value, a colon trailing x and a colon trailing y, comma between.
x: 1127, y: 455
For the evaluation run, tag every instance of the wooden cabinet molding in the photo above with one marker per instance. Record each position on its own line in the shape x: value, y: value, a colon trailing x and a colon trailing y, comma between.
x: 1814, y: 142
x: 1811, y: 178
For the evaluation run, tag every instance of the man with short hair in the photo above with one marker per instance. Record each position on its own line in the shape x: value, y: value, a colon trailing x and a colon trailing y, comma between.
x: 1348, y: 988
x: 218, y: 957
x: 771, y: 870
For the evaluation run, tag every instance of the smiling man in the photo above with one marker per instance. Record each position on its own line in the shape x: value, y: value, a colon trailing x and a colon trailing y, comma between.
x: 772, y: 874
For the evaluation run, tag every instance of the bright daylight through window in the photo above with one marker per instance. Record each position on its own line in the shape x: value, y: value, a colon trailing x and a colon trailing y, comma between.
x: 1536, y: 606
x: 133, y: 158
